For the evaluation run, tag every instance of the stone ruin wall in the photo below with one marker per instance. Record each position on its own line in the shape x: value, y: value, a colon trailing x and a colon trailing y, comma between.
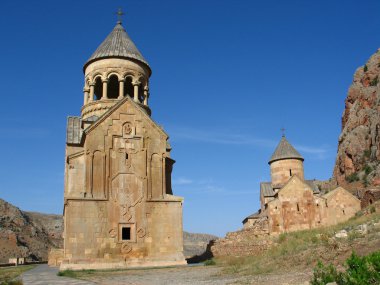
x: 246, y: 242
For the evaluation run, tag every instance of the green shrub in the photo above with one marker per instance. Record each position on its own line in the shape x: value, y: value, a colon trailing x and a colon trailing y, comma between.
x: 326, y: 274
x: 365, y: 68
x: 352, y: 177
x: 372, y: 209
x: 367, y: 169
x: 15, y: 282
x: 359, y: 271
x: 209, y: 262
x: 367, y: 153
x: 67, y: 273
x: 282, y: 237
x: 374, y: 81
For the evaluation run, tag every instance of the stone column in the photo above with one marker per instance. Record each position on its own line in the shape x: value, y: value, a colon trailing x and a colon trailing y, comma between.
x: 105, y: 87
x: 121, y: 88
x: 92, y: 88
x: 146, y: 95
x: 136, y: 91
x: 86, y: 92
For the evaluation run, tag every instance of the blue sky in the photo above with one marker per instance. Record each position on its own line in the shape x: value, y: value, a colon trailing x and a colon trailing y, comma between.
x: 227, y: 76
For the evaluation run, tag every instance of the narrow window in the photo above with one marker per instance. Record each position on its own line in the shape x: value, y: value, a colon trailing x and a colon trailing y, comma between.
x: 290, y: 172
x: 98, y: 89
x: 343, y: 212
x: 298, y: 207
x: 370, y: 201
x: 126, y: 156
x: 126, y: 233
x: 113, y: 87
x: 128, y: 87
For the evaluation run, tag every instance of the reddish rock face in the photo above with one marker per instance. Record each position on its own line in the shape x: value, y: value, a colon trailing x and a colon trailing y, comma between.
x: 359, y: 141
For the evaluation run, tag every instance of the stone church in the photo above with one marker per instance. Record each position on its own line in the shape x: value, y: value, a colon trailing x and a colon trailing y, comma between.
x: 119, y: 208
x: 291, y: 203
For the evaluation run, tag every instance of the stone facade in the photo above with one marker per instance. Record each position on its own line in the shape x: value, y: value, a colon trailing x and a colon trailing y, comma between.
x: 119, y: 209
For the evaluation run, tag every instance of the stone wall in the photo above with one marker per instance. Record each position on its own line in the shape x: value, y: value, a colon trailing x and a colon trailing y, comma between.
x: 245, y: 242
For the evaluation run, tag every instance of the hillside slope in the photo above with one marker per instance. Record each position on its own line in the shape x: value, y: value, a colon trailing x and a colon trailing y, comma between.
x: 27, y: 234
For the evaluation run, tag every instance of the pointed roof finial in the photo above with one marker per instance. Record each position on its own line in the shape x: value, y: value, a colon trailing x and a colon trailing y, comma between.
x: 120, y: 15
x: 283, y: 131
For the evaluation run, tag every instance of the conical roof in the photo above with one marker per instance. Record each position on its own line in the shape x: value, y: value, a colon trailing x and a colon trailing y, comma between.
x: 285, y: 150
x: 117, y: 44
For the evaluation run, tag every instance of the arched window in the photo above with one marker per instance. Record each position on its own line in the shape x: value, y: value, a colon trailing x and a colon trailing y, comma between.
x: 98, y: 90
x: 113, y: 87
x: 141, y: 92
x: 128, y: 87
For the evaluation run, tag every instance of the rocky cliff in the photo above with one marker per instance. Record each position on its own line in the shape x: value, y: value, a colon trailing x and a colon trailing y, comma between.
x: 27, y: 234
x: 357, y: 163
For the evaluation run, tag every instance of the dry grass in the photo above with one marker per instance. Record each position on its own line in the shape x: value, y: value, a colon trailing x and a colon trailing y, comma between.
x: 303, y: 249
x: 7, y: 274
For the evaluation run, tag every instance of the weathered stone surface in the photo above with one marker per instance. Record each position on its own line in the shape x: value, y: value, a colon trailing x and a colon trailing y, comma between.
x: 245, y: 242
x: 359, y: 141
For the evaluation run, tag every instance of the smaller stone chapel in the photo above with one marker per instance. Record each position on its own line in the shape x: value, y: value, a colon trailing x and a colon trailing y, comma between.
x: 291, y: 203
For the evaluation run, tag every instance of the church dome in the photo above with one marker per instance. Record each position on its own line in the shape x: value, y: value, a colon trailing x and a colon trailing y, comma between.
x: 285, y: 150
x: 117, y: 45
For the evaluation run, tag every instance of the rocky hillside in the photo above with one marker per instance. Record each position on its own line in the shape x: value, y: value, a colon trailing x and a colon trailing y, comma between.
x: 29, y: 234
x: 195, y: 244
x: 357, y: 163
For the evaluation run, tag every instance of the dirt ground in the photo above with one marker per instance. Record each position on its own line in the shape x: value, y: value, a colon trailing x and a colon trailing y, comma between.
x: 193, y: 275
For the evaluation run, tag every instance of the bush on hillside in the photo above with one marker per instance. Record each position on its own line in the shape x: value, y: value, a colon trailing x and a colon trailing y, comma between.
x: 359, y: 271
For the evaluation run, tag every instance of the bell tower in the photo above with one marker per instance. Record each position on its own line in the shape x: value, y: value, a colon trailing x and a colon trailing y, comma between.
x: 119, y: 206
x: 116, y: 69
x: 284, y: 163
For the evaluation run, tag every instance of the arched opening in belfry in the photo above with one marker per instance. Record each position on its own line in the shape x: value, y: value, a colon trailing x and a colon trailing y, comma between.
x: 98, y: 89
x: 141, y: 92
x: 113, y: 87
x: 128, y: 87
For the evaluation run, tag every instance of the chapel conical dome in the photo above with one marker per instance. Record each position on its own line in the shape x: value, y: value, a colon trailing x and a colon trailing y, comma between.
x: 285, y: 150
x: 117, y: 45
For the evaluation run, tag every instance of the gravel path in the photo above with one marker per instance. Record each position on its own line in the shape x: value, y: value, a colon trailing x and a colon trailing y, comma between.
x: 45, y: 275
x: 210, y: 275
x: 203, y: 275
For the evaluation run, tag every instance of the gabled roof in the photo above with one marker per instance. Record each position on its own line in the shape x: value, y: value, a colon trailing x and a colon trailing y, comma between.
x: 285, y: 150
x: 336, y: 190
x: 118, y: 45
x: 266, y: 188
x: 259, y: 214
x: 293, y: 179
x: 104, y: 116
